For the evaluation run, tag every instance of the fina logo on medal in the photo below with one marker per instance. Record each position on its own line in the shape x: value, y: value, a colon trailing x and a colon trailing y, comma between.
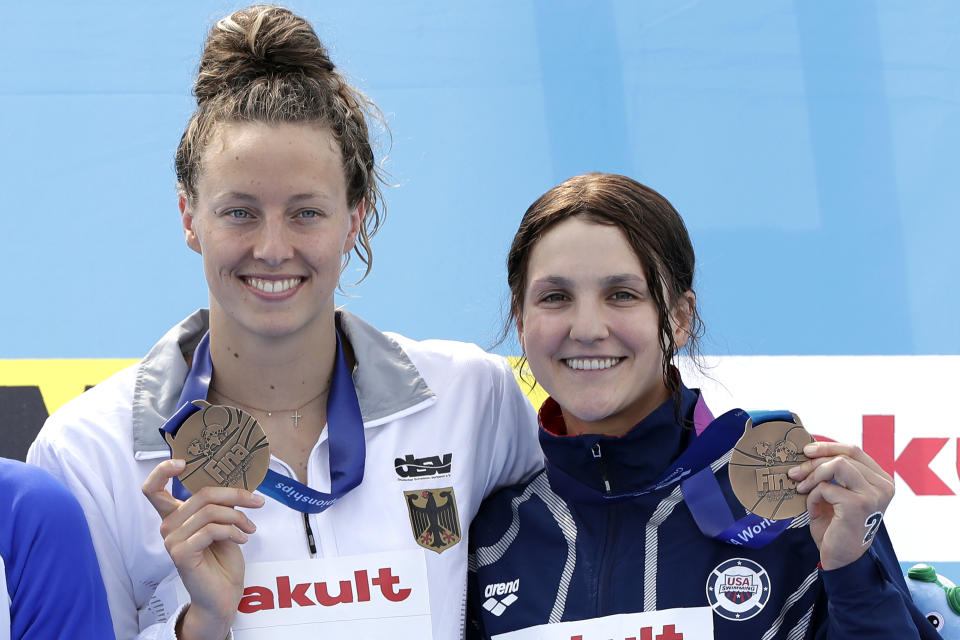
x: 738, y: 589
x: 759, y: 464
x: 434, y: 518
x: 223, y: 446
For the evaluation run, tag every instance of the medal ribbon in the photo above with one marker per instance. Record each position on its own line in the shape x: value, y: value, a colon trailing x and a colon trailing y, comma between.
x: 344, y: 429
x: 709, y: 506
x: 699, y: 485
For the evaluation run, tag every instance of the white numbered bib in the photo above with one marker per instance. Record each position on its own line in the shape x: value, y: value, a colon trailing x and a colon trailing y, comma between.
x: 695, y: 623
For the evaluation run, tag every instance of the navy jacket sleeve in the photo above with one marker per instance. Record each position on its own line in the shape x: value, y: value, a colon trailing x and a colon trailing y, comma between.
x: 53, y: 579
x: 869, y: 599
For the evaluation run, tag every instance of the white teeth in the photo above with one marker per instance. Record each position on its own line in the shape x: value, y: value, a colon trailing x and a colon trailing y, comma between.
x: 273, y: 286
x: 591, y: 364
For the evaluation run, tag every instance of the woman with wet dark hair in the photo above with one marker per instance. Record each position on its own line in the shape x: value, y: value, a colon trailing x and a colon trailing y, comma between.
x: 635, y: 513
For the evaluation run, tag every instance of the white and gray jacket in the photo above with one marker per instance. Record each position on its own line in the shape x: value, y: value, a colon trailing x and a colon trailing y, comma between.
x: 419, y: 399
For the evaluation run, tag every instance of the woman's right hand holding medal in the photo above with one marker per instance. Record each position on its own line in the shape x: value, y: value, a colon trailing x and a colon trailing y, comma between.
x: 202, y: 536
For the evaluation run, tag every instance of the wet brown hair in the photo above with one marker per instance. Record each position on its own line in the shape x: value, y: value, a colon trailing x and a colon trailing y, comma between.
x: 266, y: 64
x: 650, y: 224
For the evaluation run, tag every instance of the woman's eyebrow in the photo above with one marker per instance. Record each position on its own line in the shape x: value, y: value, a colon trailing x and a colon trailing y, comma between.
x: 610, y: 280
x: 557, y: 281
x: 248, y: 197
x: 623, y: 278
x: 301, y: 197
x: 236, y: 195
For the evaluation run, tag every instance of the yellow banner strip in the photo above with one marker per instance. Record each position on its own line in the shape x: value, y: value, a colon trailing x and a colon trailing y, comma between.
x: 59, y: 380
x: 62, y: 380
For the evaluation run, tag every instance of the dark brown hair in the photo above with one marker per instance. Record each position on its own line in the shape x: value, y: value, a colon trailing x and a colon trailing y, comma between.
x: 266, y: 64
x: 651, y: 226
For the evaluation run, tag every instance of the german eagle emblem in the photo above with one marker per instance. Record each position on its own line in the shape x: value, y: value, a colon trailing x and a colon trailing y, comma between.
x: 434, y: 518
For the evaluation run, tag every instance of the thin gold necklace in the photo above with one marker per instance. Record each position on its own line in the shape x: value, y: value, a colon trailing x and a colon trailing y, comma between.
x: 295, y: 414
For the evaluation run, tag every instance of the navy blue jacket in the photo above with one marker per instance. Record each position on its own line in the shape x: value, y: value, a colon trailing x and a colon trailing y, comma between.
x: 539, y: 556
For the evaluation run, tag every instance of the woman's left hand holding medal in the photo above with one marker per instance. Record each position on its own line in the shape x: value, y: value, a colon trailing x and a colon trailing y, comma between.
x: 847, y: 495
x: 202, y: 536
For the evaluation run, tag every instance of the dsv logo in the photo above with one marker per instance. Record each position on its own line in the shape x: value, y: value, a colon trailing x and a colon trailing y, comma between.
x: 411, y: 467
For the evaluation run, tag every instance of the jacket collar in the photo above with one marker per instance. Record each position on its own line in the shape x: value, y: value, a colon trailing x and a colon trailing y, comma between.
x: 629, y: 462
x: 386, y: 380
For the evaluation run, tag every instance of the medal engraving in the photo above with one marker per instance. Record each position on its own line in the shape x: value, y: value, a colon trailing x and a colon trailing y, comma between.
x: 223, y: 447
x: 759, y: 465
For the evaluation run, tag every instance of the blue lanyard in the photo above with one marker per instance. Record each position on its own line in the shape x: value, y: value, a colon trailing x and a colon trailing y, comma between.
x: 699, y: 485
x: 344, y: 430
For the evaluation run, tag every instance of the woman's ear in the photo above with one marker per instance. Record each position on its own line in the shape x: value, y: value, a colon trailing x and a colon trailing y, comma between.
x: 356, y: 221
x: 189, y: 223
x: 520, y: 333
x: 681, y: 318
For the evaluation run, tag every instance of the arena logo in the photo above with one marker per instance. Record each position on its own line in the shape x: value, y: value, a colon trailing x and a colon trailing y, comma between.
x: 286, y: 596
x: 498, y: 606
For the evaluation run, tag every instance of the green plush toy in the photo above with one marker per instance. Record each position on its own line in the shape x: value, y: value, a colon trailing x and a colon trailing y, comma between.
x: 937, y: 597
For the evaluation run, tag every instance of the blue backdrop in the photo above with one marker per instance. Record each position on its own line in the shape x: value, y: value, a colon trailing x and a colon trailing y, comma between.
x: 810, y: 146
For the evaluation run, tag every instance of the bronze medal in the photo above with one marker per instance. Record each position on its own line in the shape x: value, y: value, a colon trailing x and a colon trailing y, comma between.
x: 223, y: 446
x: 759, y: 464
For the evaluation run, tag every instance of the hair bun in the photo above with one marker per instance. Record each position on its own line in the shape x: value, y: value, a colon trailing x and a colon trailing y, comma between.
x: 258, y: 42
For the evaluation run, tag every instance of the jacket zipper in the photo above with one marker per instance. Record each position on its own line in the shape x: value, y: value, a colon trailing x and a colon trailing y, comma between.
x: 608, y: 556
x: 595, y: 450
x: 608, y: 560
x: 311, y: 543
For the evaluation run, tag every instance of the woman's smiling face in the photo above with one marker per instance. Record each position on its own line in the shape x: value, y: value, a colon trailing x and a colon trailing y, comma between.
x: 272, y: 223
x: 589, y: 327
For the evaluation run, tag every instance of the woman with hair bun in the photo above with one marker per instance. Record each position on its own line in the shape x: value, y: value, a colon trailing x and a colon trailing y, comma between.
x: 640, y: 510
x: 377, y: 443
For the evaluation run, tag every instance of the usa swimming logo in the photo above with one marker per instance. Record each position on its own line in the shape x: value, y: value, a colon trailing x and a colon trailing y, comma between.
x: 738, y: 589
